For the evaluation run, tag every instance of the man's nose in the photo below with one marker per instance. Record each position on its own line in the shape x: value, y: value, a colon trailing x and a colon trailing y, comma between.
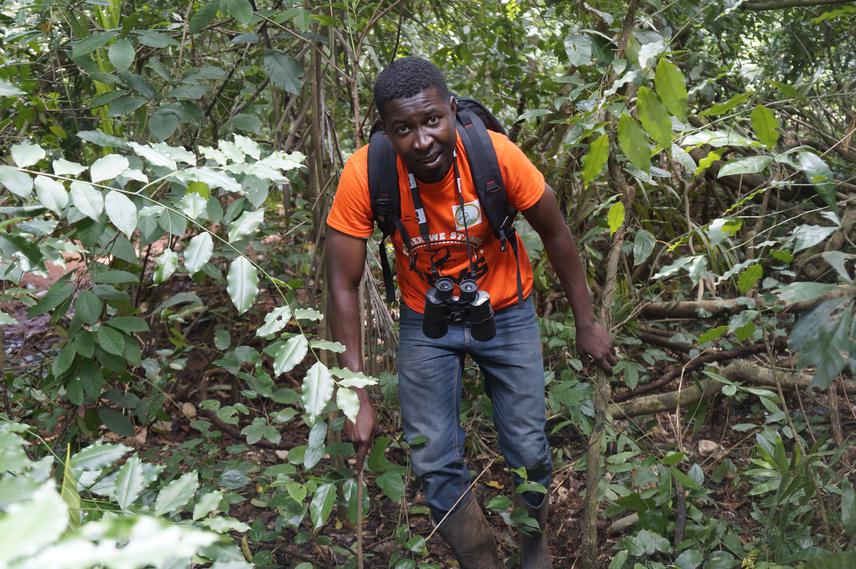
x: 422, y: 142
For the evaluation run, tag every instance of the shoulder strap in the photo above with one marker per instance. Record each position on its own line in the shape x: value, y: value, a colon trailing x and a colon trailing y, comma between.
x: 385, y: 199
x: 489, y: 184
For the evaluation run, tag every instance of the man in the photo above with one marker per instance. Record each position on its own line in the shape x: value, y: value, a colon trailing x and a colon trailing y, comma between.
x: 418, y: 115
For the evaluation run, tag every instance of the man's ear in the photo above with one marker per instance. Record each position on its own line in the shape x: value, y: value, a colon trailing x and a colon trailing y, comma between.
x: 453, y: 104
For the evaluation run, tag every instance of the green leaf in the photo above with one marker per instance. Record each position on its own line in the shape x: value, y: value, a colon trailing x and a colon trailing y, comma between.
x: 162, y: 124
x: 578, y: 48
x: 348, y: 402
x: 748, y: 165
x: 165, y: 265
x: 242, y: 284
x: 322, y: 504
x: 672, y: 89
x: 689, y: 559
x: 643, y: 245
x: 155, y: 39
x: 284, y: 71
x: 634, y: 142
x: 121, y: 54
x: 595, y: 159
x: 58, y: 293
x: 176, y: 494
x: 291, y: 354
x: 88, y: 307
x: 806, y: 236
x: 260, y: 429
x: 91, y: 43
x: 198, y: 252
x: 121, y: 211
x: 766, y: 126
x: 203, y: 16
x: 110, y: 340
x: 618, y: 559
x: 26, y: 154
x: 712, y: 334
x: 392, y: 485
x: 116, y: 422
x: 129, y: 482
x: 87, y: 200
x: 30, y: 526
x: 722, y: 108
x: 317, y: 390
x: 241, y: 10
x: 749, y: 278
x: 97, y: 456
x: 615, y: 217
x: 830, y: 351
x: 114, y: 277
x: 207, y: 503
x: 655, y: 119
x: 125, y: 105
x: 819, y: 174
x: 108, y: 167
x: 246, y: 225
x: 848, y: 509
x: 275, y: 320
x: 296, y: 490
x: 9, y: 90
x: 16, y: 182
x: 51, y: 194
x: 128, y: 324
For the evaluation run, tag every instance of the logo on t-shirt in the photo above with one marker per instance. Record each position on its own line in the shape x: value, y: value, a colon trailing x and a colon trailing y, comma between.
x: 471, y: 212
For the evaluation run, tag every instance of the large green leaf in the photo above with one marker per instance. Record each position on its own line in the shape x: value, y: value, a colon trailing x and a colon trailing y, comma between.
x: 722, y: 108
x: 284, y: 71
x: 91, y: 43
x: 9, y: 90
x: 615, y: 217
x: 242, y: 284
x: 830, y: 351
x: 246, y: 225
x: 16, y: 182
x: 348, y: 401
x: 317, y: 390
x: 121, y: 211
x: 578, y: 48
x: 176, y: 494
x: 655, y: 119
x: 69, y: 492
x: 643, y: 245
x: 671, y: 87
x: 26, y: 154
x: 27, y: 527
x: 203, y: 16
x: 275, y: 320
x: 241, y: 10
x: 121, y: 54
x: 765, y: 125
x: 97, y: 456
x: 51, y: 194
x: 595, y: 159
x: 165, y: 265
x: 163, y: 123
x: 129, y: 482
x: 748, y: 165
x: 207, y: 503
x: 819, y: 174
x: 634, y: 142
x: 88, y: 307
x: 322, y: 504
x: 87, y: 200
x: 108, y: 167
x: 198, y: 252
x: 291, y: 354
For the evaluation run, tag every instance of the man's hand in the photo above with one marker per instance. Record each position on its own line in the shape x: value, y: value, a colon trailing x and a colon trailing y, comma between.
x: 594, y: 344
x: 362, y: 432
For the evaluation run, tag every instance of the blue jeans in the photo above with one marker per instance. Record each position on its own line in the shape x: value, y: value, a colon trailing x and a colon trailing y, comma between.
x: 429, y: 383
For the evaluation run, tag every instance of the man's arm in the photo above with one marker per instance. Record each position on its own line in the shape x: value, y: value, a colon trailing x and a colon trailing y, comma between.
x: 346, y: 257
x: 592, y: 338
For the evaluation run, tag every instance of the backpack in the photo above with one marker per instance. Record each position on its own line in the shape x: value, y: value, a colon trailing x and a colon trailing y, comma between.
x: 473, y: 121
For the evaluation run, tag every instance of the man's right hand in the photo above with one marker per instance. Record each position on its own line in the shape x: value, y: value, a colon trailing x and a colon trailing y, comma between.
x: 362, y: 431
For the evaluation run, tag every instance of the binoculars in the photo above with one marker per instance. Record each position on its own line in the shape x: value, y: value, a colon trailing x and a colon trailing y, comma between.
x: 471, y: 306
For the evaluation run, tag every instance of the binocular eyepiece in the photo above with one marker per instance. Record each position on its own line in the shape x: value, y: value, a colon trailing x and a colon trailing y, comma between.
x: 472, y: 307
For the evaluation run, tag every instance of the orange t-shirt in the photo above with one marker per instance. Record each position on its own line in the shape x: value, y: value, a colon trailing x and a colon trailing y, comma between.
x: 496, y: 270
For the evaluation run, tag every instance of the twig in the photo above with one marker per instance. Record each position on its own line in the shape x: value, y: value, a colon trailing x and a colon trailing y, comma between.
x: 461, y: 497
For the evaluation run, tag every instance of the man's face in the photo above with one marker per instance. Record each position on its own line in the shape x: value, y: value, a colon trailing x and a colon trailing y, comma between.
x: 421, y: 129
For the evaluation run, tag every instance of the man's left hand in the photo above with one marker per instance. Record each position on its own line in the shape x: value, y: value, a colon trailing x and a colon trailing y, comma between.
x: 594, y: 344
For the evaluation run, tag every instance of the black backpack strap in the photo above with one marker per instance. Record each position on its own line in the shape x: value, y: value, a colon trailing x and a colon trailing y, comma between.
x: 489, y: 184
x: 385, y: 200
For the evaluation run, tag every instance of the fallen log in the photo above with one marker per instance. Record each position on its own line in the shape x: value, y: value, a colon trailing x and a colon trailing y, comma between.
x: 725, y: 306
x: 666, y: 401
x: 746, y: 371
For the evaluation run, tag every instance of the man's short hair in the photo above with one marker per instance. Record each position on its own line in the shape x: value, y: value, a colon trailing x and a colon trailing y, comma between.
x: 407, y: 77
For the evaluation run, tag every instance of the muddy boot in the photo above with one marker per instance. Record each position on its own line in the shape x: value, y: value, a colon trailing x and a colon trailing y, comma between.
x: 470, y: 536
x: 534, y: 553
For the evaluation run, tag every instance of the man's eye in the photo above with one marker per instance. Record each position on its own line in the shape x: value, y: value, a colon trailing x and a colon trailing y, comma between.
x: 402, y: 129
x: 433, y: 119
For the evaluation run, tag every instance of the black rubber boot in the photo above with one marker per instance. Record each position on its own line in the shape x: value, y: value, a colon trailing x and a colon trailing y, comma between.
x: 470, y: 536
x: 534, y: 553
